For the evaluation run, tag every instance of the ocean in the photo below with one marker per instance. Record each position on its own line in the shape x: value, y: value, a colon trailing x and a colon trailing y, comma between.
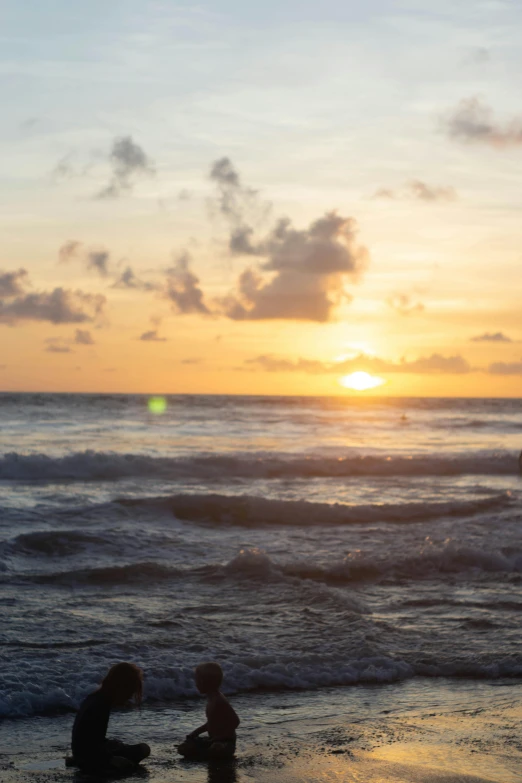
x: 307, y: 544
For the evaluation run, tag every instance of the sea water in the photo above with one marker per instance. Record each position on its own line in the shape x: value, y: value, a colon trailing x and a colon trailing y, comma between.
x: 304, y: 543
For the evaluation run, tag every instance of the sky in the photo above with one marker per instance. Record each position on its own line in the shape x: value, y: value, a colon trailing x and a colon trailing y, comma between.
x: 239, y: 198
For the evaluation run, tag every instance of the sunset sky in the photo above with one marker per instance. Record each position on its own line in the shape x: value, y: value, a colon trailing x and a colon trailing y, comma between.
x: 261, y: 198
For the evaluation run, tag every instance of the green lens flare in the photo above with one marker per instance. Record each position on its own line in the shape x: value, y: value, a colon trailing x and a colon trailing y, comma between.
x: 157, y: 405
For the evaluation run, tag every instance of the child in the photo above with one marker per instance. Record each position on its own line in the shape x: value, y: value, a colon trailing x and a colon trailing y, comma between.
x: 91, y: 749
x: 222, y: 720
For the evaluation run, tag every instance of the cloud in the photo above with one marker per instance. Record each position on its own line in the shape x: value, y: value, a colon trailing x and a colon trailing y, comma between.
x: 57, y: 345
x: 472, y: 121
x: 232, y: 193
x: 404, y: 304
x: 128, y: 161
x: 56, y: 348
x: 271, y: 363
x: 454, y: 365
x: 505, y: 368
x: 13, y: 283
x: 423, y: 192
x: 418, y: 191
x: 384, y: 193
x: 182, y: 288
x: 480, y: 54
x: 307, y: 270
x: 239, y: 204
x: 60, y: 306
x: 300, y: 274
x: 68, y: 251
x: 63, y: 169
x: 152, y: 337
x: 128, y: 279
x: 491, y: 337
x: 83, y: 337
x: 436, y: 363
x: 97, y: 259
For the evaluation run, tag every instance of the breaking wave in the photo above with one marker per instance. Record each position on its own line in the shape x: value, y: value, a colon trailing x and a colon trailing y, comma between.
x: 167, y: 682
x: 253, y: 564
x: 110, y: 466
x: 251, y: 511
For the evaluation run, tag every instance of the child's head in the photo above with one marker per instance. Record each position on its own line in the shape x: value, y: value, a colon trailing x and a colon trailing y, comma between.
x: 123, y: 681
x: 209, y: 677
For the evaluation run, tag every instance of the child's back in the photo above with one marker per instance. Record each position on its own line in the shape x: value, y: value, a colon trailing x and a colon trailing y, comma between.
x: 90, y: 725
x: 222, y: 720
x: 90, y: 746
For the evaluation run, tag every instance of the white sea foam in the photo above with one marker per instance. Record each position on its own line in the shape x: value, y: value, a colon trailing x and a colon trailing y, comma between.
x: 169, y: 681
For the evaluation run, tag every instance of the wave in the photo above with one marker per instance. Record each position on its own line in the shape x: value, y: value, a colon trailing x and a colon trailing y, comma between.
x: 497, y: 605
x: 53, y: 543
x: 111, y: 466
x: 254, y: 564
x: 251, y: 511
x: 429, y: 561
x: 170, y: 682
x: 23, y: 645
x: 133, y: 573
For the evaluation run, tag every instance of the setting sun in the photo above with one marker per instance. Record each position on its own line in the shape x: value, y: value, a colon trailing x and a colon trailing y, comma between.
x: 361, y: 381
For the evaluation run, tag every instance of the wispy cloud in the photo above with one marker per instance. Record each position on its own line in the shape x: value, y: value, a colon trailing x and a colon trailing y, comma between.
x: 128, y: 279
x: 233, y: 196
x: 182, y: 288
x: 506, y: 368
x: 94, y: 259
x: 152, y: 336
x: 239, y: 204
x: 472, y: 121
x: 491, y: 337
x: 55, y: 346
x: 405, y: 304
x: 417, y: 190
x: 64, y: 168
x: 129, y: 162
x: 436, y: 363
x: 83, y: 337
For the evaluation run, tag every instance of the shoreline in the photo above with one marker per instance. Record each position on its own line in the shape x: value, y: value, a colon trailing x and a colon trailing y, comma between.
x: 423, y: 732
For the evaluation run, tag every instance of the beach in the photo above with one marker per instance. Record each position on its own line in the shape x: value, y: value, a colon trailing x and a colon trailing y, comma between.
x: 354, y: 566
x: 429, y: 733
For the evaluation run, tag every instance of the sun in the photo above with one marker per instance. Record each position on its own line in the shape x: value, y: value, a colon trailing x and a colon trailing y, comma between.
x: 361, y: 381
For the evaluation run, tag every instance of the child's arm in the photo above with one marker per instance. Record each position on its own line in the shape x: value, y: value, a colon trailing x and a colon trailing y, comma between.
x: 200, y: 730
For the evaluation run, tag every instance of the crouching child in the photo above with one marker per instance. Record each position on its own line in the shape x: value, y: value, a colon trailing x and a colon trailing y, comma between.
x: 92, y: 751
x: 222, y: 720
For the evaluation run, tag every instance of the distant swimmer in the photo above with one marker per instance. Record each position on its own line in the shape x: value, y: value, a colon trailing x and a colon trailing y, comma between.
x: 405, y: 418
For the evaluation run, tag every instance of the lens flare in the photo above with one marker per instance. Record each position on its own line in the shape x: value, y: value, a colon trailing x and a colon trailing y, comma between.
x: 157, y: 405
x: 361, y: 381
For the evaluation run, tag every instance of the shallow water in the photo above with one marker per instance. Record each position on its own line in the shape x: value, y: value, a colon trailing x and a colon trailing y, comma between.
x: 304, y: 543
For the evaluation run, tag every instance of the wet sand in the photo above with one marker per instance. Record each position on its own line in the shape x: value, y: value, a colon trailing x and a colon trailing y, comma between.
x: 438, y: 732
